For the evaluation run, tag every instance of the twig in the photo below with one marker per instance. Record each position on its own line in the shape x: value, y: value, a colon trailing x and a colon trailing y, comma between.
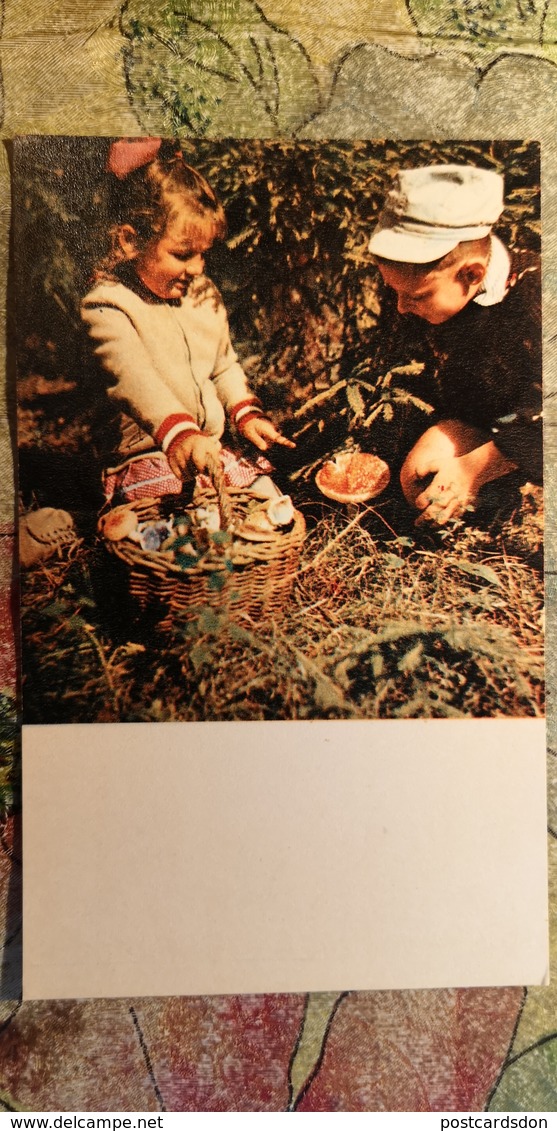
x: 319, y: 399
x: 334, y: 541
x: 342, y: 534
x: 104, y: 665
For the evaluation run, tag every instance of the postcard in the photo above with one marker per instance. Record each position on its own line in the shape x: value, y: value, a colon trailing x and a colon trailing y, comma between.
x: 281, y: 542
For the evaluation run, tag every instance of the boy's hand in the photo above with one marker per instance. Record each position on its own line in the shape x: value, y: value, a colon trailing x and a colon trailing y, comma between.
x: 192, y: 448
x: 451, y: 490
x: 460, y: 459
x: 457, y: 481
x: 263, y: 433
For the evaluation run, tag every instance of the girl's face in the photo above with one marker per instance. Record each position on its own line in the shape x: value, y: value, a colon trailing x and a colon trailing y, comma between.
x: 169, y: 262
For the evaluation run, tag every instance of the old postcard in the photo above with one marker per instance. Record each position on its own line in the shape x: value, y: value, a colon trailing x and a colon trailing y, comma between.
x: 280, y: 473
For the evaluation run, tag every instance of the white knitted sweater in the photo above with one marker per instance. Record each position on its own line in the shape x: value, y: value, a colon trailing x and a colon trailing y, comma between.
x: 164, y: 359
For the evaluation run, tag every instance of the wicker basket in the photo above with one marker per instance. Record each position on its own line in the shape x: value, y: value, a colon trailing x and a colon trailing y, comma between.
x: 257, y: 586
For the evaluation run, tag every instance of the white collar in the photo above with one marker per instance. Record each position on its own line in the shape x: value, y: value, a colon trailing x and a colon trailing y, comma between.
x: 496, y: 279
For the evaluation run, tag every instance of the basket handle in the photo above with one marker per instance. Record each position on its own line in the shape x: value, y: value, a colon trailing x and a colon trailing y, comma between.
x: 216, y: 473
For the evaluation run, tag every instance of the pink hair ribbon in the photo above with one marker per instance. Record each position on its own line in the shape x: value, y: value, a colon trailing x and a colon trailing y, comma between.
x: 130, y: 153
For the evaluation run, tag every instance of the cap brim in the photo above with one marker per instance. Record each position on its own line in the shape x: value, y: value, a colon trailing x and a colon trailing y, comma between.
x: 407, y: 247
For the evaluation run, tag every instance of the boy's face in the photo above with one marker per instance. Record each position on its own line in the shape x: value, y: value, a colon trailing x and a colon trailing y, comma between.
x: 435, y: 297
x: 168, y: 263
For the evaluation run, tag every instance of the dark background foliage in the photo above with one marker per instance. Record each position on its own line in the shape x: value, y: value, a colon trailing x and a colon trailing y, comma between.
x: 303, y: 297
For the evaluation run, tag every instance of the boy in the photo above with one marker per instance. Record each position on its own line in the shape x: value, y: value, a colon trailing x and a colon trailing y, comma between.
x: 434, y: 247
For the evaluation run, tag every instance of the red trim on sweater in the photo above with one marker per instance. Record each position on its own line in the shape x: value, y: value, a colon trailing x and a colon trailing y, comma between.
x: 244, y: 404
x: 170, y: 422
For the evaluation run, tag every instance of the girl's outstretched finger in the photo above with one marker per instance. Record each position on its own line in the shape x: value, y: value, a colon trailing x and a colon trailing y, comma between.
x: 280, y: 439
x: 262, y: 433
x: 272, y: 434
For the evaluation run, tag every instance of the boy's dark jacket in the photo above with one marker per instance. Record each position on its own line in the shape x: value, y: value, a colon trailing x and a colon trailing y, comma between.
x: 484, y: 366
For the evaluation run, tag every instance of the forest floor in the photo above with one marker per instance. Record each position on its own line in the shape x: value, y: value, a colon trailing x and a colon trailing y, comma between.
x: 384, y: 621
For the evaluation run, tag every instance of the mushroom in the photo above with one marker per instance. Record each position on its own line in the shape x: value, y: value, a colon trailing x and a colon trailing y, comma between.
x: 118, y: 523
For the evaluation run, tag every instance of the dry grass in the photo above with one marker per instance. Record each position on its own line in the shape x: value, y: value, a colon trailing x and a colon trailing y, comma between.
x: 380, y: 625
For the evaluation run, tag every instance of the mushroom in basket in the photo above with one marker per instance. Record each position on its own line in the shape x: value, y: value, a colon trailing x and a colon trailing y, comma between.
x: 353, y: 477
x: 119, y: 523
x: 265, y: 522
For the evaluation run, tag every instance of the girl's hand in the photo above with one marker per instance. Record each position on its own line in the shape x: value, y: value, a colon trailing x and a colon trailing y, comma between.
x: 192, y: 448
x: 263, y: 433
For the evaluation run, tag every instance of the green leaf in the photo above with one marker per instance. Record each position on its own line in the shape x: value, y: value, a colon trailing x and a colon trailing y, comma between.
x: 200, y: 655
x: 550, y: 30
x: 186, y: 561
x: 480, y: 599
x: 476, y: 569
x: 413, y: 369
x: 393, y: 561
x: 236, y: 632
x: 84, y: 602
x: 209, y: 620
x: 217, y: 581
x: 416, y: 402
x: 55, y: 609
x: 10, y: 768
x: 530, y: 1083
x: 318, y: 1015
x: 182, y: 540
x: 373, y: 414
x: 411, y: 659
x: 326, y: 696
x: 220, y: 69
x: 355, y: 400
x: 8, y: 1103
x: 241, y: 237
x: 342, y: 672
x: 483, y: 25
x: 76, y: 621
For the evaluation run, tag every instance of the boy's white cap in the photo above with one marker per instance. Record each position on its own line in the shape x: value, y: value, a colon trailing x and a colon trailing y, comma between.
x: 430, y: 210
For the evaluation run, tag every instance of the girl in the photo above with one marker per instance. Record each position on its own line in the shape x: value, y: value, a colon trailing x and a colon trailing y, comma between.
x: 160, y: 332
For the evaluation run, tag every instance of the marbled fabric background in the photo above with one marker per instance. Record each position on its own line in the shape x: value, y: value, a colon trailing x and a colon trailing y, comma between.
x: 424, y: 68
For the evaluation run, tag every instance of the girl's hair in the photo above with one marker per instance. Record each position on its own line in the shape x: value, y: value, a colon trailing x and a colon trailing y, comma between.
x: 150, y: 197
